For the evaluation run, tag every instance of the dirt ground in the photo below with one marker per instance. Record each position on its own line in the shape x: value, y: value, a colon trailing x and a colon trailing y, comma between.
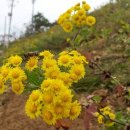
x: 12, y: 116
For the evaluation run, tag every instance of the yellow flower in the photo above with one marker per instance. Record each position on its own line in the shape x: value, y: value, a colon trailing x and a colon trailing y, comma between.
x: 32, y: 109
x: 4, y: 70
x: 83, y: 20
x: 107, y: 112
x: 77, y: 60
x: 57, y: 85
x: 36, y: 96
x: 65, y: 77
x: 47, y: 97
x: 63, y: 53
x: 90, y: 20
x: 61, y: 20
x: 46, y: 84
x: 52, y: 73
x: 65, y: 96
x: 75, y: 53
x: 67, y: 16
x: 2, y: 86
x: 74, y: 77
x: 60, y: 110
x: 81, y: 12
x: 78, y: 70
x: 15, y: 60
x: 48, y: 116
x: 17, y: 87
x: 74, y: 110
x: 17, y: 74
x: 64, y: 60
x: 100, y: 119
x: 85, y: 6
x: 75, y: 18
x: 77, y: 7
x: 32, y: 63
x: 46, y: 54
x: 96, y: 114
x: 107, y: 108
x: 67, y: 26
x: 112, y: 116
x: 48, y: 63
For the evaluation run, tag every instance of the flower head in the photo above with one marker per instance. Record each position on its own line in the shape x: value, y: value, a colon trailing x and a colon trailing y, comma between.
x: 15, y: 60
x: 74, y: 110
x: 90, y: 20
x: 32, y: 63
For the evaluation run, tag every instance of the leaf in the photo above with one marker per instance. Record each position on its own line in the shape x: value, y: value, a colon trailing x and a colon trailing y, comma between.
x: 120, y: 117
x: 97, y: 99
x: 34, y: 77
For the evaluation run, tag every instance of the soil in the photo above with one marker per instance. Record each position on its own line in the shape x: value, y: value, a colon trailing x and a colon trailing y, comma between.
x: 12, y: 115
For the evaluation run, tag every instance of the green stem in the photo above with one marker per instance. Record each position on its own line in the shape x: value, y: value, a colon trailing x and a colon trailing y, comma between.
x: 74, y: 38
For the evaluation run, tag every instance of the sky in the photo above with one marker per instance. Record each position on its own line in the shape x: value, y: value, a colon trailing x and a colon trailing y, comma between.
x: 51, y: 9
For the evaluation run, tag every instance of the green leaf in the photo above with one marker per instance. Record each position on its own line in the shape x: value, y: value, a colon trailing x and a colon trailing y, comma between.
x: 97, y: 99
x: 34, y: 77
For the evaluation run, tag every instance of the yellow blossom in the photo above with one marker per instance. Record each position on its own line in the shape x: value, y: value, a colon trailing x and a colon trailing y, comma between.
x: 48, y: 63
x: 46, y: 84
x: 90, y: 20
x: 67, y: 26
x: 32, y: 63
x: 46, y: 54
x: 17, y: 87
x: 36, y: 96
x: 4, y: 70
x: 32, y: 109
x: 64, y: 60
x: 47, y: 97
x: 78, y: 70
x: 52, y: 73
x: 15, y: 60
x: 17, y: 74
x: 2, y: 85
x: 74, y: 110
x: 48, y: 116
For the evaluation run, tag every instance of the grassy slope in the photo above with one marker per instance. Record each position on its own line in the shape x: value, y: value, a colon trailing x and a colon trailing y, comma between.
x: 109, y: 36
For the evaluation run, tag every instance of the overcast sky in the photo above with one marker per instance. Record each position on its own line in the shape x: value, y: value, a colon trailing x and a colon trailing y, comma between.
x: 50, y: 8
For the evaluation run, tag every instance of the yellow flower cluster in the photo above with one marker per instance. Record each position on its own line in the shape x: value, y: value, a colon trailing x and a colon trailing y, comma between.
x: 11, y: 71
x: 54, y: 100
x: 105, y: 112
x: 76, y: 16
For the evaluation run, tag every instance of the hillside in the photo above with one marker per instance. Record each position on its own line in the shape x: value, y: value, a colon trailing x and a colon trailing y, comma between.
x: 108, y: 39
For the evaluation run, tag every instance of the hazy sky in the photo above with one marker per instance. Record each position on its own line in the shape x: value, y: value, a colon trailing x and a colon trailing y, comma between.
x: 50, y: 8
